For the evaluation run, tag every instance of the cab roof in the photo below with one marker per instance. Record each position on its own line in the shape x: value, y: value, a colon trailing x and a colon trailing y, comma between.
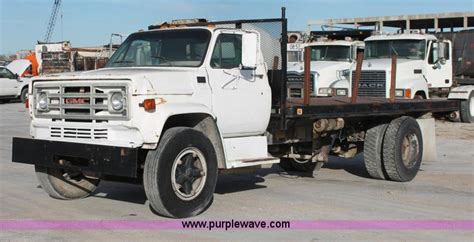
x: 335, y: 42
x: 407, y: 36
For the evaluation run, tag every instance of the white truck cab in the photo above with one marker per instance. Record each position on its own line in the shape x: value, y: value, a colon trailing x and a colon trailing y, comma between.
x: 419, y: 65
x: 331, y: 65
x: 209, y: 72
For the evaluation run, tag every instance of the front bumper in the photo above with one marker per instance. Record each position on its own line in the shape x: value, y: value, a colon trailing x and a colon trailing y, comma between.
x: 108, y: 160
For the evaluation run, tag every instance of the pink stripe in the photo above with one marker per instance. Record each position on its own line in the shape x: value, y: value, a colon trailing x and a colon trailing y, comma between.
x: 295, y: 224
x: 385, y: 224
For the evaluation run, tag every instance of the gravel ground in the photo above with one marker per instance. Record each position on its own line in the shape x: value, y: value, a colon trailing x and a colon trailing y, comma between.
x: 443, y: 189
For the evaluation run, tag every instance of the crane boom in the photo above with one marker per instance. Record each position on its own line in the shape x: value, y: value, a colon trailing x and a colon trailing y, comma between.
x: 52, y: 20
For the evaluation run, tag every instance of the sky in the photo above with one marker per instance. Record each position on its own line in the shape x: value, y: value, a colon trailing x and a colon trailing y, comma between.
x: 90, y: 22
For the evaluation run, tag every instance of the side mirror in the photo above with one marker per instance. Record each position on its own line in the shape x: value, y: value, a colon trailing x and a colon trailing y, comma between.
x: 249, y: 50
x: 17, y: 77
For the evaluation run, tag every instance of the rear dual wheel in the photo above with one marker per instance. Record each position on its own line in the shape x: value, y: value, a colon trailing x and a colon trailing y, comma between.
x: 466, y: 109
x: 307, y: 166
x: 394, y: 151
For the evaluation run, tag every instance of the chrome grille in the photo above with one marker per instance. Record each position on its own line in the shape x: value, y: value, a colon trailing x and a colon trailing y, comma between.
x: 82, y: 101
x: 371, y: 83
x: 78, y: 133
x: 295, y: 85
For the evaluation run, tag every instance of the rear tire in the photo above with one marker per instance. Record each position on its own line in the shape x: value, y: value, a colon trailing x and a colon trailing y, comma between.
x: 466, y: 109
x: 180, y: 176
x: 373, y: 146
x: 290, y: 164
x: 402, y: 149
x: 65, y: 185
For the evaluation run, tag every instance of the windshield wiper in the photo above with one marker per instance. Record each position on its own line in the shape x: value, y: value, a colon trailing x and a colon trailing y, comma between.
x: 123, y: 61
x: 161, y: 58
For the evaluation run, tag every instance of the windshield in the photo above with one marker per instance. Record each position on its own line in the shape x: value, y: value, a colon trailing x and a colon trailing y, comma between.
x: 178, y: 48
x: 409, y: 49
x: 330, y: 53
x: 294, y: 56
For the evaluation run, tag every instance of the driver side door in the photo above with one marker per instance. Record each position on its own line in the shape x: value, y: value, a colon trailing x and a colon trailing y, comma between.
x: 439, y: 74
x: 236, y: 92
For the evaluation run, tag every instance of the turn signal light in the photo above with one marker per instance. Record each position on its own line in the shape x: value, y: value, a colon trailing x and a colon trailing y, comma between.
x: 149, y: 104
x: 407, y: 93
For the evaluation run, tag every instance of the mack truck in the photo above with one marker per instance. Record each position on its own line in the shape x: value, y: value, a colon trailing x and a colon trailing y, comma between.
x: 331, y: 65
x: 187, y: 100
x: 428, y: 66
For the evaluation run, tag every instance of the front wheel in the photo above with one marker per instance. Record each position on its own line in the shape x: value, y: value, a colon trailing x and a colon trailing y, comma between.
x: 66, y: 184
x: 467, y: 109
x: 180, y: 176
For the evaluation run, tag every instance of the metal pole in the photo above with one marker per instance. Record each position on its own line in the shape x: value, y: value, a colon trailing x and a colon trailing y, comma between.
x: 307, y: 75
x: 393, y: 78
x: 284, y: 42
x: 355, y: 82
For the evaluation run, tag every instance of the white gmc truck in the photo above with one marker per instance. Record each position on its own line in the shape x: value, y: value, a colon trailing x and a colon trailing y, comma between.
x: 179, y: 103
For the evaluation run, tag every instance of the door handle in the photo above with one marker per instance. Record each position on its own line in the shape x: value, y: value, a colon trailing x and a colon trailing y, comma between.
x: 260, y: 76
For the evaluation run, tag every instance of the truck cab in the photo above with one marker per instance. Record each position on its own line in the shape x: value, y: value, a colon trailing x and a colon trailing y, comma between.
x: 331, y: 64
x: 192, y: 70
x: 423, y: 62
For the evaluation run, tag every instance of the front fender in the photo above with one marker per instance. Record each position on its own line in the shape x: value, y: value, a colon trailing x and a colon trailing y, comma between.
x: 151, y: 124
x: 415, y: 85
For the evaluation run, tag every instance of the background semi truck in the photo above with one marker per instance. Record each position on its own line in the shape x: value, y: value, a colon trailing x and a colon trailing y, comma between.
x: 188, y: 99
x: 427, y: 67
x: 331, y: 65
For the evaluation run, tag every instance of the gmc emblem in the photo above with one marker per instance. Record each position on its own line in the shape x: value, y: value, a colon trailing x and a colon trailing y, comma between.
x: 76, y: 101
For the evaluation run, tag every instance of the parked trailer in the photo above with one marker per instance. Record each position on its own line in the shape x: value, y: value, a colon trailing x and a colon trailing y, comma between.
x: 193, y: 98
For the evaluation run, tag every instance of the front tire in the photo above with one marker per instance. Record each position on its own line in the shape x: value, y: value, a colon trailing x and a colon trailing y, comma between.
x: 180, y: 176
x: 65, y: 185
x: 402, y: 149
x: 466, y: 109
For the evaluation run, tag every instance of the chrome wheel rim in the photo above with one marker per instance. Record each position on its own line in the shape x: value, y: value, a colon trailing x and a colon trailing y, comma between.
x: 188, y: 174
x: 410, y: 149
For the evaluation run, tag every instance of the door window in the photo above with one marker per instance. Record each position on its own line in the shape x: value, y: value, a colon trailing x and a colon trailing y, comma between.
x: 227, y: 52
x: 5, y: 73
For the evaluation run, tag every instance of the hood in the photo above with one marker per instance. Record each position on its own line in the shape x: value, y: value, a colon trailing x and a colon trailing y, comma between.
x: 327, y: 73
x: 19, y: 66
x: 145, y: 80
x: 386, y: 64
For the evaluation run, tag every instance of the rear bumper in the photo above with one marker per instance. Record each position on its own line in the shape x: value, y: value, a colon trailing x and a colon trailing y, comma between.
x: 108, y: 160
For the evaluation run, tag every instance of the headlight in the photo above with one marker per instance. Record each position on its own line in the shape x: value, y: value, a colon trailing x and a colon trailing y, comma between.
x: 42, y: 102
x: 117, y: 101
x: 325, y: 91
x: 341, y: 92
x: 399, y: 93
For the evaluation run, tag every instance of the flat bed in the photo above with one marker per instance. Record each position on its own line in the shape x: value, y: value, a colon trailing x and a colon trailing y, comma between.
x: 335, y: 107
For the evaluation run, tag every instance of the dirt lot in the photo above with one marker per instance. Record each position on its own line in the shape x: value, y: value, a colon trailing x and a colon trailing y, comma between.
x: 443, y: 189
